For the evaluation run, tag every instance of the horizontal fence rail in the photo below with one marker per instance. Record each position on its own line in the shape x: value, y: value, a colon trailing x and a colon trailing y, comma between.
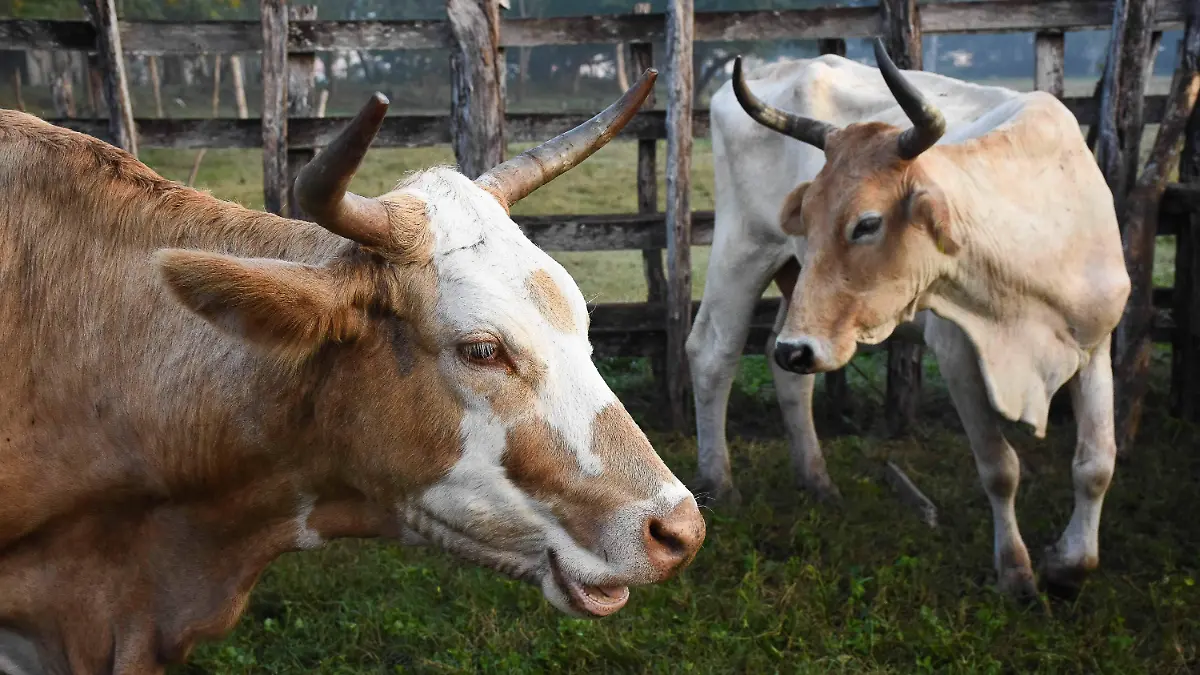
x: 639, y: 328
x: 153, y: 37
x: 414, y: 131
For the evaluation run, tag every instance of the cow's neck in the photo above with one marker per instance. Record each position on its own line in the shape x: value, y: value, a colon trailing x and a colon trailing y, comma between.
x: 227, y: 475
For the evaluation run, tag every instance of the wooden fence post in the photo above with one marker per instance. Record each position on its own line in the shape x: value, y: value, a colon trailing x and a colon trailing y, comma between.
x: 678, y: 214
x: 156, y: 84
x: 902, y: 37
x: 274, y: 111
x: 20, y: 96
x: 1185, y: 347
x: 61, y: 87
x: 239, y: 85
x: 1048, y: 58
x: 476, y: 93
x: 642, y: 56
x: 1122, y: 89
x: 300, y: 77
x: 837, y: 391
x: 1140, y: 218
x: 103, y: 15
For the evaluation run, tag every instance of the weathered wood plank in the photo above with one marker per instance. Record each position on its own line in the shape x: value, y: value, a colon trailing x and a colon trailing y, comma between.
x: 678, y: 212
x: 610, y: 232
x: 639, y: 329
x: 1185, y: 347
x: 902, y: 37
x: 301, y: 82
x: 413, y: 131
x: 274, y: 125
x: 1132, y: 341
x: 103, y: 16
x: 1048, y: 62
x: 642, y: 56
x: 154, y: 37
x: 476, y: 101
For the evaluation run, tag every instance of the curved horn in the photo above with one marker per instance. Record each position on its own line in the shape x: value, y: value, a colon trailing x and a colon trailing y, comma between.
x: 804, y: 129
x: 928, y: 123
x: 516, y: 178
x: 321, y: 186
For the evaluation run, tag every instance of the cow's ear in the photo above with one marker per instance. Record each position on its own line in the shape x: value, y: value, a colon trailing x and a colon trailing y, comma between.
x: 789, y: 215
x: 284, y: 306
x: 927, y: 208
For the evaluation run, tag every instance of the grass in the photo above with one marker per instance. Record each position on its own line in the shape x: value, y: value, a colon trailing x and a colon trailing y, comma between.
x: 781, y: 585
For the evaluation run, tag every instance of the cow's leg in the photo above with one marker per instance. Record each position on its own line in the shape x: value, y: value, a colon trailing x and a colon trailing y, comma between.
x: 795, y: 393
x: 1078, y: 550
x: 737, y: 277
x: 997, y: 462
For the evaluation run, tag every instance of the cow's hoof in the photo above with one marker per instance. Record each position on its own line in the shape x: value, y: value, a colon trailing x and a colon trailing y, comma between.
x: 823, y: 490
x: 1018, y: 584
x: 1061, y: 580
x: 712, y: 495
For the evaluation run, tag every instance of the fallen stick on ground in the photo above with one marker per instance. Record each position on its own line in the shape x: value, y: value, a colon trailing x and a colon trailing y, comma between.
x: 910, y: 493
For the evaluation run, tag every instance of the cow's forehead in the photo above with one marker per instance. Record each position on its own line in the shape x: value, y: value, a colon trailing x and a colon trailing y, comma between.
x: 489, y: 274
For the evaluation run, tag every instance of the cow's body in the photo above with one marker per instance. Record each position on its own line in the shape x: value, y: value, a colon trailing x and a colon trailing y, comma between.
x: 1011, y: 266
x: 191, y: 388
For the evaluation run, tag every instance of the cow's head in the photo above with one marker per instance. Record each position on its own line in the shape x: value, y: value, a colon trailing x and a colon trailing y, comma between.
x: 876, y: 227
x: 455, y: 380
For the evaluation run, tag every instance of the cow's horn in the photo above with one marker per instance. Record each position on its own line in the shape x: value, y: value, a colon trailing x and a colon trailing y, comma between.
x: 813, y: 132
x: 928, y: 123
x: 514, y: 179
x: 321, y: 185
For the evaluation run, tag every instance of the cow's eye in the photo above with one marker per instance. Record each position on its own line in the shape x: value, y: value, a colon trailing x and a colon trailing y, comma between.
x: 865, y: 227
x: 483, y: 352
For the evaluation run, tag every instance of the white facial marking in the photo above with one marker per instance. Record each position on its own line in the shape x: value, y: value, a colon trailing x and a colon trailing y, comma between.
x: 306, y: 537
x: 483, y: 265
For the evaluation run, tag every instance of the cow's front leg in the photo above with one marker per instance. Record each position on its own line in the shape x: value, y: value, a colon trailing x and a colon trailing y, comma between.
x: 738, y: 273
x: 795, y: 393
x: 997, y: 463
x: 1077, y: 552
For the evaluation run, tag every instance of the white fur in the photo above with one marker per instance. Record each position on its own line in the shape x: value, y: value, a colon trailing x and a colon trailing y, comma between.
x: 306, y: 537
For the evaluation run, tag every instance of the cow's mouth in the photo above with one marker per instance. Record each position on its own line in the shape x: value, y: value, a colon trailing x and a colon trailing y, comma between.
x: 585, y: 598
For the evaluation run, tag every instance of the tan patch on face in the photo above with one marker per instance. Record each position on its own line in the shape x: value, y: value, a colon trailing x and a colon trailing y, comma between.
x: 627, y: 453
x: 550, y: 301
x: 541, y: 463
x: 538, y: 460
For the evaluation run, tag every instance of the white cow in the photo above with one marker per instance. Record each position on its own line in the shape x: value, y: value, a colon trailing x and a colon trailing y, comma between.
x: 1002, y: 237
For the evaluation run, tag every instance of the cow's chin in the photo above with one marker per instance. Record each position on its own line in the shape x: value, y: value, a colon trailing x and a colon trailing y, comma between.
x: 566, y: 578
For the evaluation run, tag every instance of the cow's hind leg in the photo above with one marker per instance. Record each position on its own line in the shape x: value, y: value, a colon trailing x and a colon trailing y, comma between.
x: 738, y: 273
x: 1077, y: 552
x: 997, y: 462
x: 795, y: 394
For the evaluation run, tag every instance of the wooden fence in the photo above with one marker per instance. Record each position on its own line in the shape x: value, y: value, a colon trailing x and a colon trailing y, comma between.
x: 288, y: 132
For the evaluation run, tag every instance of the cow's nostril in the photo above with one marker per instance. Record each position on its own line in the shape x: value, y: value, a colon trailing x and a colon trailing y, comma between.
x: 666, y: 539
x: 797, y: 358
x: 801, y: 359
x: 672, y: 540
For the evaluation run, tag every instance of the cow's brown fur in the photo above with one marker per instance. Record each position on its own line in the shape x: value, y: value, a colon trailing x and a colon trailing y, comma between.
x: 131, y: 431
x: 550, y: 301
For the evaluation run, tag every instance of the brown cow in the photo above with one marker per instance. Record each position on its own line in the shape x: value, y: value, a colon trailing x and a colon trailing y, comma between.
x: 190, y: 388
